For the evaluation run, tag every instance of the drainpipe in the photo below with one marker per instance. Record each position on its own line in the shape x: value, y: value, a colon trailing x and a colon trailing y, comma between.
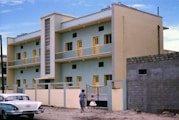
x: 158, y: 31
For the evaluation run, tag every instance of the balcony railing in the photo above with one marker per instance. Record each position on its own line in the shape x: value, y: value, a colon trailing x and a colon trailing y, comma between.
x: 100, y: 50
x: 25, y: 62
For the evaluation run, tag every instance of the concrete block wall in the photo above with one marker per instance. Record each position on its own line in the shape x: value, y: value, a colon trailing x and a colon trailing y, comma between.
x: 153, y: 82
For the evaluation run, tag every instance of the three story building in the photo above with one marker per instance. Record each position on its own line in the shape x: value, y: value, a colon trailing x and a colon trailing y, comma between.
x: 91, y: 49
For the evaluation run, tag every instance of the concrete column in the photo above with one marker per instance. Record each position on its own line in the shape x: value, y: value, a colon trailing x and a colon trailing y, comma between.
x: 35, y: 91
x: 109, y: 88
x: 124, y: 94
x: 64, y: 85
x: 48, y: 94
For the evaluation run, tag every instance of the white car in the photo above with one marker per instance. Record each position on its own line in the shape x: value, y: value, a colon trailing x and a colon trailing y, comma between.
x: 18, y: 104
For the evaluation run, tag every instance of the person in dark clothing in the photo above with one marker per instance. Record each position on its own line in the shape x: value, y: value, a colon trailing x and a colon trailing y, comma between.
x: 82, y: 100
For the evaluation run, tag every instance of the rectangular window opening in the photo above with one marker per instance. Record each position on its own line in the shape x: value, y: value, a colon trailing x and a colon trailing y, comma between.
x: 142, y: 71
x: 36, y: 70
x: 107, y: 39
x: 100, y: 28
x: 101, y: 64
x: 69, y: 80
x: 74, y: 35
x: 37, y: 43
x: 69, y: 46
x: 22, y: 46
x: 18, y: 56
x: 74, y: 66
x: 106, y: 78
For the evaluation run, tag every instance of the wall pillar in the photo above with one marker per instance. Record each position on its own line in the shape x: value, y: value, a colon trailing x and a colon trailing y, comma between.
x: 124, y: 94
x: 48, y: 94
x: 64, y: 85
x: 109, y: 94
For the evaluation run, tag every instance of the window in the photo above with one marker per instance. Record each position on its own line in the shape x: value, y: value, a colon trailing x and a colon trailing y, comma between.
x: 1, y: 98
x: 106, y: 78
x: 18, y: 83
x: 21, y: 71
x: 107, y: 39
x: 100, y: 28
x: 37, y: 43
x: 69, y: 79
x: 74, y: 66
x: 69, y: 46
x: 101, y: 64
x: 22, y: 46
x: 18, y: 56
x: 142, y: 71
x: 47, y: 46
x: 4, y: 70
x: 36, y: 70
x: 74, y: 35
x: 4, y: 65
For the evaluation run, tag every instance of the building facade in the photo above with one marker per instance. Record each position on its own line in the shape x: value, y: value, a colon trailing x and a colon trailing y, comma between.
x: 91, y: 49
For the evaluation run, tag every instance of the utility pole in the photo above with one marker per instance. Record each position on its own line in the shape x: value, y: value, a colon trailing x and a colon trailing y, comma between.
x: 2, y: 69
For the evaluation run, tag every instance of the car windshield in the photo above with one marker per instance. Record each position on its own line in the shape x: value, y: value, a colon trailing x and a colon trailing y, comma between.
x: 13, y: 98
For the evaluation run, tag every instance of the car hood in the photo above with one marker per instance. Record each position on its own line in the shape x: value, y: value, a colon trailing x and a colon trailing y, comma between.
x: 26, y: 105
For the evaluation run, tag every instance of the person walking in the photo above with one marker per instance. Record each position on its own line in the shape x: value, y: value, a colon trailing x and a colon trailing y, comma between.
x: 82, y: 100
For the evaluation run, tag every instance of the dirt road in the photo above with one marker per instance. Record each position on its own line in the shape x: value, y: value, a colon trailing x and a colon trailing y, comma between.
x: 55, y: 113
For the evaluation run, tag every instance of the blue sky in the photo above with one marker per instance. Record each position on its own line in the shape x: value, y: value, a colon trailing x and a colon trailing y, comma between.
x: 23, y: 16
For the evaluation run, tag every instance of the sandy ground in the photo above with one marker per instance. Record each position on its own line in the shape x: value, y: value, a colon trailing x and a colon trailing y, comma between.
x: 55, y: 113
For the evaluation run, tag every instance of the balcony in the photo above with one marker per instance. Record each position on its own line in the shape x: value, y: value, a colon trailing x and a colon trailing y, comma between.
x: 35, y: 61
x: 84, y: 53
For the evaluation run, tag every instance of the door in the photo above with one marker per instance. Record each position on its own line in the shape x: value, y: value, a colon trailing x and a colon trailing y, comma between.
x: 95, y: 45
x: 34, y: 56
x: 33, y: 83
x: 18, y: 83
x: 25, y: 58
x: 79, y: 48
x: 24, y: 82
x: 78, y: 81
x: 95, y: 83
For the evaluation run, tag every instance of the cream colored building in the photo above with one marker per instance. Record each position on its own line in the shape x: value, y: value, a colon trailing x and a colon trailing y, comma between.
x: 91, y: 49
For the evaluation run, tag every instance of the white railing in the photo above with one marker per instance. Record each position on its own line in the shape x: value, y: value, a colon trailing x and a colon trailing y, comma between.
x: 26, y: 61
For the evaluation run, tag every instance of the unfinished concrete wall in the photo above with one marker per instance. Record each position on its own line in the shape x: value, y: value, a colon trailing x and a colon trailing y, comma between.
x: 153, y: 82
